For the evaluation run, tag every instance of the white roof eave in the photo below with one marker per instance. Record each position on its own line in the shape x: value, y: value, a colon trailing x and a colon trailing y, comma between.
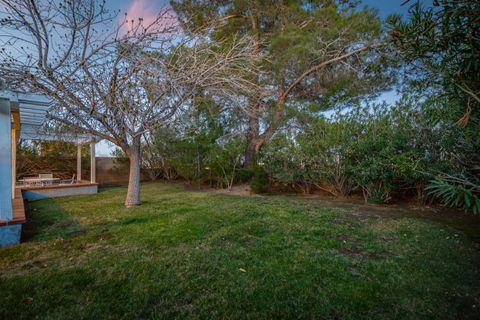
x: 33, y: 110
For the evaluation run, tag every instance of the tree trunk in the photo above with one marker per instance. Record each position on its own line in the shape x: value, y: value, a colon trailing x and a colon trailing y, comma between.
x: 255, y: 140
x: 250, y: 155
x: 252, y: 136
x: 252, y: 151
x: 254, y: 107
x: 133, y: 193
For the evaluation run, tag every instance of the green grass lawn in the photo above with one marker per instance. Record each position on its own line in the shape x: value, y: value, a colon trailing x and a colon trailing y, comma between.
x: 210, y: 256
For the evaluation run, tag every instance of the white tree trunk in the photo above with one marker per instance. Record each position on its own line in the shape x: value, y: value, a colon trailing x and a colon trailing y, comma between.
x: 133, y: 193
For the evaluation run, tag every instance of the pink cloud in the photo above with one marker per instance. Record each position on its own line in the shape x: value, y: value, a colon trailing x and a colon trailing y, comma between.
x: 148, y: 11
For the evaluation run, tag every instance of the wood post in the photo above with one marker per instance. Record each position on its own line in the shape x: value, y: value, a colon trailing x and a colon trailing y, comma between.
x: 92, y: 162
x: 79, y: 162
x: 14, y: 161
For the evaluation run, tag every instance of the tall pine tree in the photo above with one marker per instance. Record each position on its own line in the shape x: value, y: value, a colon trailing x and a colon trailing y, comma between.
x: 317, y: 53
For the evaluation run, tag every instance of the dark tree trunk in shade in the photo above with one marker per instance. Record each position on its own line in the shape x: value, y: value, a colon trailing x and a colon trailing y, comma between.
x: 252, y: 138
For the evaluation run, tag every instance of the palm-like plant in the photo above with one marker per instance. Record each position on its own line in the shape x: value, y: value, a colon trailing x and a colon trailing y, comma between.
x: 458, y: 192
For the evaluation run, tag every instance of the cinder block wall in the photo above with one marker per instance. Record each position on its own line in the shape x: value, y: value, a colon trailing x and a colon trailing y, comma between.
x: 110, y: 170
x: 113, y: 171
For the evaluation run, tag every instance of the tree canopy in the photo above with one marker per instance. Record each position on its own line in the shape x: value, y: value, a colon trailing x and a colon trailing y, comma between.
x: 317, y: 53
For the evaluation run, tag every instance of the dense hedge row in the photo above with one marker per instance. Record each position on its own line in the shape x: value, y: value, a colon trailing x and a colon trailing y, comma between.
x: 379, y: 151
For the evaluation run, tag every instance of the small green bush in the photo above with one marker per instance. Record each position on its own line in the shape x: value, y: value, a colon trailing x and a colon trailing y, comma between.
x: 244, y: 175
x: 259, y: 182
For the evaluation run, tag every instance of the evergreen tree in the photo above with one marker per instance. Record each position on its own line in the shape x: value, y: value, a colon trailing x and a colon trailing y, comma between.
x: 317, y: 53
x: 440, y: 45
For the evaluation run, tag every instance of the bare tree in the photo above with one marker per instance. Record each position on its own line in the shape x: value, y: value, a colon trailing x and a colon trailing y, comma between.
x: 115, y: 80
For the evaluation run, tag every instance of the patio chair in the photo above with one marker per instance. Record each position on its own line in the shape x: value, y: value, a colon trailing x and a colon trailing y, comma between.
x: 71, y: 181
x: 46, y: 176
x: 31, y: 181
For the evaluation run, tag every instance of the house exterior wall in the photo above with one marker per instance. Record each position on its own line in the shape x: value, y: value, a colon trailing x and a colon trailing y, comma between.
x: 10, y: 235
x: 5, y: 160
x: 17, y: 112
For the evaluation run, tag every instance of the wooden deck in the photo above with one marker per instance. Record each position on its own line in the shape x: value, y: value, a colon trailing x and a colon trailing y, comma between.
x: 82, y: 183
x: 18, y: 210
x: 32, y: 193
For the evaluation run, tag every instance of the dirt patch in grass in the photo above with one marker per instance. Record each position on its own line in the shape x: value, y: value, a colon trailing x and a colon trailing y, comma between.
x: 350, y: 248
x: 239, y: 190
x: 465, y: 223
x: 358, y: 210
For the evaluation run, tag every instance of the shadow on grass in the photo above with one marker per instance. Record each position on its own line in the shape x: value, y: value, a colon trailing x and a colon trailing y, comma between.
x: 109, y: 187
x: 47, y: 220
x: 137, y: 220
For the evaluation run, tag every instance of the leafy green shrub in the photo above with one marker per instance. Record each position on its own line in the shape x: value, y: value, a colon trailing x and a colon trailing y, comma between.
x: 310, y: 159
x: 376, y: 191
x: 224, y: 162
x: 285, y: 162
x: 187, y: 149
x: 380, y: 150
x: 394, y: 149
x: 259, y: 183
x: 244, y: 175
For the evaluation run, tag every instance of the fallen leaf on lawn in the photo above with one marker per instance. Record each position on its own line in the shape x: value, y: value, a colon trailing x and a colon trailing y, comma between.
x: 242, y: 270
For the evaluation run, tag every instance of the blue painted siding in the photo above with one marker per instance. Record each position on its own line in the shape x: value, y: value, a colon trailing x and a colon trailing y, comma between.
x: 10, y: 235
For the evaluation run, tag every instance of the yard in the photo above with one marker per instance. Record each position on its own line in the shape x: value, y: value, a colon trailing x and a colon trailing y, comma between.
x: 203, y: 255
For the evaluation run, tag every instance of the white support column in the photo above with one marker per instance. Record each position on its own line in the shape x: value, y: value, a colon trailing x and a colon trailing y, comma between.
x: 79, y: 162
x: 93, y: 168
x: 5, y: 160
x: 14, y: 162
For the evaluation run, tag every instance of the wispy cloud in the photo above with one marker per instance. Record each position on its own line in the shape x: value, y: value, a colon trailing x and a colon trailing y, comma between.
x: 147, y: 11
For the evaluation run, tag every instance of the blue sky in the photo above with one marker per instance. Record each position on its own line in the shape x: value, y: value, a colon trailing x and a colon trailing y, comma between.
x: 146, y: 8
x: 386, y: 7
